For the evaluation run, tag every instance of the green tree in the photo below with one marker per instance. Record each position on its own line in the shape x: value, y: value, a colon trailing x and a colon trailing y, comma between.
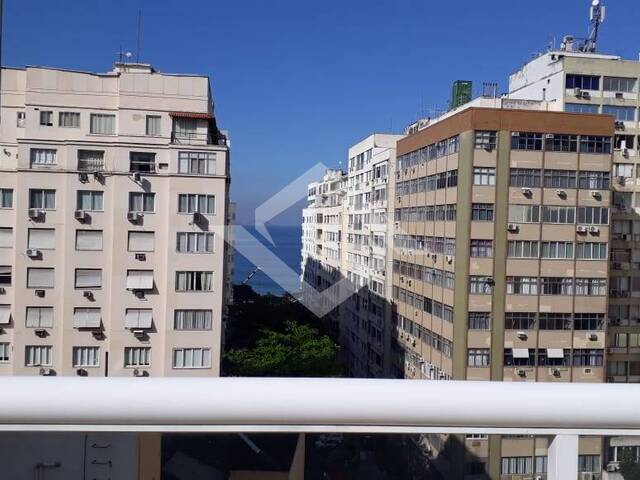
x: 298, y: 351
x: 629, y: 467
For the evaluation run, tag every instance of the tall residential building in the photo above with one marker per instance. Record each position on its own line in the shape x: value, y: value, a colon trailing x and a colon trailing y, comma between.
x: 500, y: 270
x: 113, y: 200
x: 607, y: 84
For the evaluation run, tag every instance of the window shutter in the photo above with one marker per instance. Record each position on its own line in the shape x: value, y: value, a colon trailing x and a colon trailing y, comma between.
x: 141, y: 241
x: 40, y: 277
x: 42, y: 238
x: 89, y: 240
x: 88, y: 278
x: 5, y: 314
x: 6, y: 237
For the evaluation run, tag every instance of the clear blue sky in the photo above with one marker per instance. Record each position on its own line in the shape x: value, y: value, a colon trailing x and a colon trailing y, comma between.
x: 297, y: 82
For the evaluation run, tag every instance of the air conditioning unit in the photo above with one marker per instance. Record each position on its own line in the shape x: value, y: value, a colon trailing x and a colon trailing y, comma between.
x: 581, y: 229
x: 587, y: 371
x: 141, y: 257
x: 513, y: 227
x: 515, y: 134
x: 561, y: 193
x: 134, y: 217
x: 619, y: 95
x: 88, y: 294
x: 619, y: 125
x: 40, y: 332
x: 596, y: 194
x: 81, y: 372
x: 593, y: 229
x: 554, y: 372
x: 621, y: 179
x: 577, y: 92
x: 81, y: 215
x: 526, y: 191
x: 549, y: 135
x: 586, y: 94
x: 140, y: 373
x: 613, y: 467
x: 35, y: 213
x: 521, y: 335
x: 449, y: 258
x: 625, y: 152
x: 593, y: 337
x: 3, y: 290
x: 521, y: 372
x: 196, y: 218
x: 40, y: 293
x: 138, y: 332
x: 33, y: 253
x: 83, y: 177
x: 136, y: 177
x: 47, y: 372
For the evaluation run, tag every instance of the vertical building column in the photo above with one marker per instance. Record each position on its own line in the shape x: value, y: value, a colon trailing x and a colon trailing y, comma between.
x: 562, y: 462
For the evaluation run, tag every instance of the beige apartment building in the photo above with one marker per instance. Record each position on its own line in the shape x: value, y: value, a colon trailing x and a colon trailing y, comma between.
x: 113, y: 200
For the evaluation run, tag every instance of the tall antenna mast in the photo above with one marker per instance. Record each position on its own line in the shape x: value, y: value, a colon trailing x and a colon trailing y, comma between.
x: 596, y: 17
x: 139, y: 42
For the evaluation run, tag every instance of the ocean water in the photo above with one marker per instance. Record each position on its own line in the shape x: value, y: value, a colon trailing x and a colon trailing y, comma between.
x: 288, y: 245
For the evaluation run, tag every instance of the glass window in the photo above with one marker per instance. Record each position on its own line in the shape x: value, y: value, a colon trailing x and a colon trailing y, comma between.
x: 524, y: 213
x: 553, y: 214
x: 479, y: 321
x: 21, y: 118
x: 42, y: 199
x: 556, y: 286
x: 581, y: 108
x: 69, y: 119
x: 144, y: 162
x: 517, y: 465
x: 485, y: 139
x: 589, y: 463
x: 525, y: 177
x: 103, y: 124
x: 484, y: 176
x: 520, y: 320
x: 480, y: 284
x: 38, y: 356
x: 43, y: 156
x: 522, y: 249
x: 192, y: 358
x: 588, y: 321
x: 555, y: 321
x: 591, y: 251
x: 192, y: 320
x: 194, y: 281
x: 561, y: 143
x: 594, y: 180
x: 5, y: 349
x: 40, y: 277
x: 482, y: 212
x: 46, y: 118
x: 522, y: 285
x: 478, y: 357
x: 591, y: 286
x: 6, y: 198
x: 192, y: 202
x: 593, y: 215
x: 557, y: 250
x: 86, y: 357
x: 619, y: 84
x: 90, y: 160
x: 194, y: 242
x: 583, y: 82
x: 5, y: 275
x: 39, y: 317
x: 89, y: 201
x: 519, y: 357
x: 584, y: 357
x: 481, y: 248
x: 198, y: 163
x: 142, y: 202
x: 526, y: 141
x: 620, y: 114
x: 595, y: 144
x: 137, y: 356
x: 6, y: 237
x: 560, y: 178
x: 153, y: 126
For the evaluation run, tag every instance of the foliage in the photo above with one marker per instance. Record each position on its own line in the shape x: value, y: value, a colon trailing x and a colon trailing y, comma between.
x: 629, y: 468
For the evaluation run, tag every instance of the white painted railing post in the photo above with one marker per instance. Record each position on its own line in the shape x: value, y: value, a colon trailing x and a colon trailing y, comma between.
x: 562, y: 462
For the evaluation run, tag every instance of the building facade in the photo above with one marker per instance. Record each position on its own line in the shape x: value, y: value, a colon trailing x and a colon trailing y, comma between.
x: 114, y: 192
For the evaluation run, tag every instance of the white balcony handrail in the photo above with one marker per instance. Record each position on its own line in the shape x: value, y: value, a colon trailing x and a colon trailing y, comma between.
x: 308, y: 405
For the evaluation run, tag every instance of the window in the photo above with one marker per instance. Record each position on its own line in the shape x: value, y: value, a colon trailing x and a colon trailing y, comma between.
x: 554, y: 357
x: 620, y: 114
x: 526, y: 141
x: 142, y: 202
x: 39, y: 317
x: 192, y: 202
x: 42, y: 238
x: 593, y: 215
x: 619, y: 84
x: 522, y: 285
x: 5, y: 275
x: 588, y: 321
x: 519, y: 357
x: 89, y: 240
x: 139, y: 279
x: 480, y: 284
x: 481, y: 248
x: 38, y: 356
x: 43, y: 156
x: 89, y: 200
x: 144, y: 162
x: 524, y: 177
x: 478, y: 357
x: 141, y: 242
x: 138, y: 318
x: 69, y: 119
x: 555, y: 321
x: 524, y: 213
x: 623, y: 141
x: 86, y: 357
x: 485, y: 139
x: 595, y: 144
x: 46, y: 118
x: 589, y: 463
x: 153, y: 126
x: 479, y: 321
x: 617, y: 368
x: 21, y: 118
x: 194, y: 242
x: 591, y: 286
x: 594, y: 180
x: 185, y: 128
x: 90, y: 160
x: 199, y: 163
x: 557, y: 250
x: 137, y: 356
x: 553, y: 214
x: 581, y: 108
x: 583, y: 82
x: 560, y: 178
x: 517, y: 465
x: 5, y: 314
x: 556, y: 286
x: 42, y: 199
x: 40, y: 277
x: 591, y: 251
x: 520, y: 320
x: 88, y: 278
x: 6, y: 237
x: 561, y: 143
x: 87, y: 318
x: 5, y: 348
x: 192, y: 319
x: 584, y: 357
x: 482, y: 212
x: 522, y: 249
x: 103, y: 124
x: 484, y: 176
x: 6, y: 198
x: 192, y: 358
x: 194, y: 281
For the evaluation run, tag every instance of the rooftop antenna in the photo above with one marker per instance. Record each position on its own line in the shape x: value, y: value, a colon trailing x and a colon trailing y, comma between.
x: 139, y: 41
x: 596, y: 17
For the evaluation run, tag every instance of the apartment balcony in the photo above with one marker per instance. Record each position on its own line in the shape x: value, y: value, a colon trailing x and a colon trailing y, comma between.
x: 193, y: 138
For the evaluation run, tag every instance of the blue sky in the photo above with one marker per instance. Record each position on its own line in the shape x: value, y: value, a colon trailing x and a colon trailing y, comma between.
x: 297, y: 82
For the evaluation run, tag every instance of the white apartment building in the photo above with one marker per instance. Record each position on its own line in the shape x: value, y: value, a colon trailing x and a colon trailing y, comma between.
x: 113, y: 200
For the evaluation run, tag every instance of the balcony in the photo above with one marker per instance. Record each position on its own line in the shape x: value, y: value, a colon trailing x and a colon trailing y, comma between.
x: 192, y: 138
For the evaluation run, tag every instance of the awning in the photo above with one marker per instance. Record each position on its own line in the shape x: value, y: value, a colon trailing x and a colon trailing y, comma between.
x: 520, y: 353
x: 138, y: 318
x: 140, y: 280
x: 5, y: 314
x: 555, y: 353
x: 197, y: 115
x: 87, y: 318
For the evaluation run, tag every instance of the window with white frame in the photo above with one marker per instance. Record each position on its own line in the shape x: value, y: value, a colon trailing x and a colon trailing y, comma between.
x: 591, y: 251
x: 479, y: 285
x: 139, y: 279
x: 102, y: 124
x: 86, y: 357
x: 89, y: 240
x: 40, y: 277
x: 6, y: 237
x: 6, y: 198
x: 522, y: 285
x: 44, y: 199
x: 21, y: 119
x: 142, y: 202
x: 524, y: 213
x: 198, y: 163
x: 620, y: 84
x: 557, y: 250
x: 39, y: 317
x: 42, y: 238
x: 38, y: 355
x: 517, y: 465
x: 88, y: 278
x: 485, y: 139
x: 593, y: 215
x: 69, y: 119
x: 46, y: 118
x: 194, y: 242
x: 90, y: 201
x: 192, y: 202
x: 144, y: 162
x: 5, y: 275
x: 191, y: 358
x: 90, y: 160
x: 478, y: 357
x: 138, y: 318
x: 43, y: 156
x: 137, y: 356
x: 589, y: 463
x: 522, y: 249
x: 192, y: 319
x: 484, y: 176
x: 153, y: 125
x: 194, y: 281
x: 555, y: 214
x: 5, y: 350
x: 141, y: 241
x: 620, y: 113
